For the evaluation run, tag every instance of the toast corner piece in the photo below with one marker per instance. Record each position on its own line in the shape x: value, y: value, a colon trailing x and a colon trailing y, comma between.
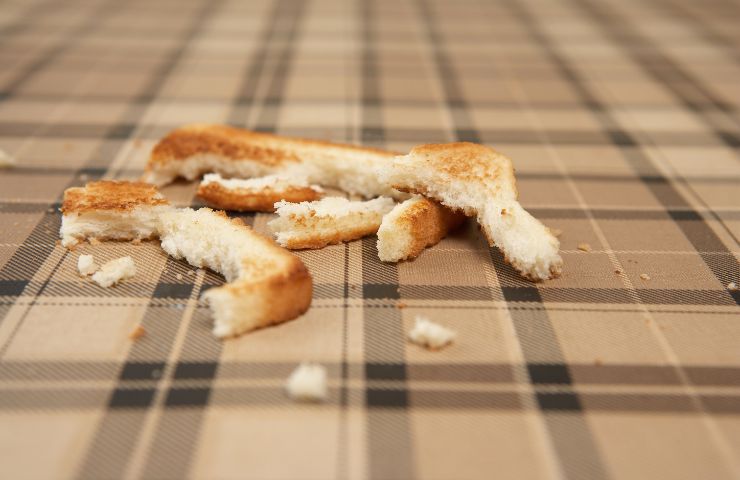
x: 241, y: 307
x: 111, y: 210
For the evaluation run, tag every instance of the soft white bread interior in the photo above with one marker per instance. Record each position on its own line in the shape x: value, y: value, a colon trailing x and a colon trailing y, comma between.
x: 111, y: 210
x: 480, y: 181
x: 328, y: 221
x: 192, y: 150
x: 255, y: 194
x: 266, y: 284
x: 412, y: 226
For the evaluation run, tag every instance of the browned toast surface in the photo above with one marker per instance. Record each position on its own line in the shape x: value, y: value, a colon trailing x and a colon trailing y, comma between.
x: 245, y: 200
x: 111, y: 195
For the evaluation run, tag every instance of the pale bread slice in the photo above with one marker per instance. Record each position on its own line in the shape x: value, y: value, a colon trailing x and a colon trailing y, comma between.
x: 480, y: 181
x: 412, y: 226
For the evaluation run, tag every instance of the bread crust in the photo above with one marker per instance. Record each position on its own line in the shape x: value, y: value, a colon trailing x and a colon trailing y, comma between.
x: 321, y: 240
x: 111, y: 195
x: 427, y: 223
x: 245, y: 200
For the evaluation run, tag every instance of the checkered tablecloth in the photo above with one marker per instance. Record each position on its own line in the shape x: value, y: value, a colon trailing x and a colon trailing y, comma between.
x: 622, y: 119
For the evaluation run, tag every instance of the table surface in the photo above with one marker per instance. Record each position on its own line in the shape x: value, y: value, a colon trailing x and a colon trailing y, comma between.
x: 622, y: 121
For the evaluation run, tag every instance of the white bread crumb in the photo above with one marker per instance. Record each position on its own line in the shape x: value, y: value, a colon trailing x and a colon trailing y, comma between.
x: 645, y: 276
x: 328, y: 221
x: 307, y: 383
x: 115, y: 271
x: 86, y: 265
x: 6, y: 161
x: 584, y: 247
x: 430, y: 335
x: 732, y: 286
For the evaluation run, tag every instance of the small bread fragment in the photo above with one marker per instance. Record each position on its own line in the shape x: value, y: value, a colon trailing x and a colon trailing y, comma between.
x: 256, y: 194
x: 193, y: 150
x: 265, y: 283
x: 114, y: 271
x: 328, y: 221
x: 480, y: 181
x: 307, y: 383
x: 412, y: 226
x: 111, y: 210
x: 86, y: 265
x: 6, y: 161
x: 430, y: 335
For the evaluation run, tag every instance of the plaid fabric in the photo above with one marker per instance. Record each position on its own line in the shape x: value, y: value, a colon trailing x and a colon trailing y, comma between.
x: 622, y: 120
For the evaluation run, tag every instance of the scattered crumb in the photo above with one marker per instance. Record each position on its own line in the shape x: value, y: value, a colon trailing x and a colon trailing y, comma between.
x: 136, y: 241
x: 115, y: 271
x: 6, y: 161
x: 598, y: 361
x: 430, y: 335
x: 86, y: 265
x: 307, y: 383
x: 556, y: 232
x: 401, y: 305
x: 584, y: 247
x: 618, y: 271
x: 137, y: 333
x: 179, y: 276
x: 732, y: 286
x: 191, y: 272
x: 94, y: 241
x: 645, y: 276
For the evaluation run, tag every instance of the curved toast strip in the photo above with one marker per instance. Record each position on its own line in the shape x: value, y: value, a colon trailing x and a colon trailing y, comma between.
x: 193, y: 150
x: 328, y: 221
x: 111, y: 210
x: 412, y: 226
x: 265, y: 285
x: 480, y: 181
x: 257, y: 194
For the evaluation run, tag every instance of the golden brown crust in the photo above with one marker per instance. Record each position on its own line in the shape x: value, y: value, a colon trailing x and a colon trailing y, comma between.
x: 244, y: 200
x: 111, y: 195
x: 236, y: 143
x: 428, y: 222
x: 321, y: 240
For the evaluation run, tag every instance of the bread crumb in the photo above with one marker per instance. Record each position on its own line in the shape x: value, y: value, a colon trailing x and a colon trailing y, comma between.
x: 556, y: 232
x: 732, y: 286
x: 645, y: 276
x: 115, y: 271
x: 430, y: 335
x: 401, y: 305
x: 179, y: 276
x: 137, y: 333
x: 136, y: 241
x: 307, y: 383
x: 94, y: 241
x: 584, y: 247
x: 6, y: 161
x: 86, y: 265
x: 191, y: 272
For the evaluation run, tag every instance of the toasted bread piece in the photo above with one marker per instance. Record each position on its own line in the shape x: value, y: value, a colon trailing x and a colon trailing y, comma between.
x: 480, y: 181
x: 256, y: 194
x: 193, y: 150
x: 266, y: 283
x: 328, y: 221
x: 111, y: 210
x: 412, y: 226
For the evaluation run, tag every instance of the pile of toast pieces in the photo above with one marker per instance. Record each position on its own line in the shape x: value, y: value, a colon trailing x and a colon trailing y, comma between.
x: 411, y: 202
